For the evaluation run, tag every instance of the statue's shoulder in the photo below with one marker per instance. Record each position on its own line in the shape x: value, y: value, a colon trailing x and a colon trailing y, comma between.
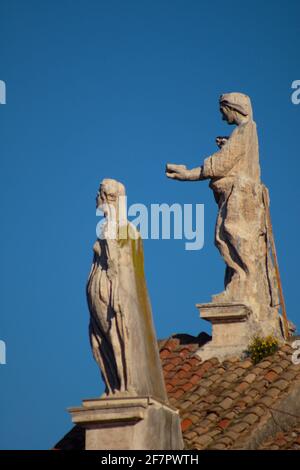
x: 133, y: 233
x: 97, y: 247
x: 241, y: 131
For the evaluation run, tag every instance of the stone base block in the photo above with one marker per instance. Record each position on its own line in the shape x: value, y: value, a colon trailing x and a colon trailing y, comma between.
x: 131, y: 423
x: 231, y: 330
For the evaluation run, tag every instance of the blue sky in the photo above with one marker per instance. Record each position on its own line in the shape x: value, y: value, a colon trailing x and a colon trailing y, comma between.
x: 116, y: 89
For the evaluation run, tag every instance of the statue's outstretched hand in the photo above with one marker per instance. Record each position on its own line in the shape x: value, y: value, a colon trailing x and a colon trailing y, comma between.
x: 176, y: 172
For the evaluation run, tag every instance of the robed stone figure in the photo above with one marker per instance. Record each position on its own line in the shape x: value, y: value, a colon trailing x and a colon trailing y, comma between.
x: 241, y: 233
x: 121, y: 329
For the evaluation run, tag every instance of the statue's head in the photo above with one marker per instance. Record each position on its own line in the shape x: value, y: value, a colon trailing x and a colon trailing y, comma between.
x: 110, y: 197
x: 235, y: 108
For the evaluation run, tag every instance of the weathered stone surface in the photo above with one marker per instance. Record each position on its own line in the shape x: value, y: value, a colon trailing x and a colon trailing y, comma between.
x: 232, y: 329
x: 134, y: 413
x: 121, y: 328
x: 242, y: 233
x: 128, y: 424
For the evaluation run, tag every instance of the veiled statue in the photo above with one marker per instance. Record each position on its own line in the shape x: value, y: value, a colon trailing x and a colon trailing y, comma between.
x: 121, y: 328
x: 241, y: 233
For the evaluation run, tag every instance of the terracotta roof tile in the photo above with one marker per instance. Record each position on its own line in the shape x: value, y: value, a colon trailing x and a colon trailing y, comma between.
x: 224, y: 423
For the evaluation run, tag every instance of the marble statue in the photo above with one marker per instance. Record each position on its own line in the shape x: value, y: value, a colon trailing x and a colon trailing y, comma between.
x: 121, y: 329
x: 241, y: 231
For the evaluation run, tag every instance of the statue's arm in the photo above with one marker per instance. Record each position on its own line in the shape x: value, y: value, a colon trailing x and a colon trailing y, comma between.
x: 181, y: 173
x: 220, y: 163
x: 217, y: 165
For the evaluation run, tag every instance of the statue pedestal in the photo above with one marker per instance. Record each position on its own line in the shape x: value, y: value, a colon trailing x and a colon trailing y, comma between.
x: 232, y: 330
x: 128, y: 423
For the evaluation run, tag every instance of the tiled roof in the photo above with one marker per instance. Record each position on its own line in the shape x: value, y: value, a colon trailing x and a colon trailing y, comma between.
x: 223, y: 405
x: 288, y: 440
x: 229, y: 405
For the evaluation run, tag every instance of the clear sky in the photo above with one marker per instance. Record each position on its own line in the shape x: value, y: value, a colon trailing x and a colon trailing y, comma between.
x: 116, y: 89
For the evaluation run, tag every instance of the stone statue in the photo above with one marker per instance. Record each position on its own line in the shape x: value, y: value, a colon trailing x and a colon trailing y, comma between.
x: 122, y: 335
x: 241, y: 231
